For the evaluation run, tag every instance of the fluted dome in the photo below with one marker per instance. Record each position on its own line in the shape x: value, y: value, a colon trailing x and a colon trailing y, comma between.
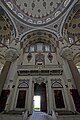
x: 37, y: 12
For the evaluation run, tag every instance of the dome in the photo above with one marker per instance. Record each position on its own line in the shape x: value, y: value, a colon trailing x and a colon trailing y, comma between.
x: 6, y: 29
x: 37, y: 12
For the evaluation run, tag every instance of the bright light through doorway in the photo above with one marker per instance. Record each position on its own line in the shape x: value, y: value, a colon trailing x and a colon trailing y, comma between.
x: 37, y: 100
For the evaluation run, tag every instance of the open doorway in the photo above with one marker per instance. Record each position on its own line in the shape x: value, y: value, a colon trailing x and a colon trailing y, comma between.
x: 40, y: 96
x: 37, y: 103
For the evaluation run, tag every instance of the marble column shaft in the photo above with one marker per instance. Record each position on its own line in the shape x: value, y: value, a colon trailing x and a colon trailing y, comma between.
x: 3, y: 75
x: 75, y: 74
x: 11, y: 55
x: 67, y: 54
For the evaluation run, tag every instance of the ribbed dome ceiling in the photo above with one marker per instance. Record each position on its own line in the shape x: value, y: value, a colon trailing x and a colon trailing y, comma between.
x: 6, y: 28
x: 74, y: 26
x: 38, y: 8
x: 37, y: 12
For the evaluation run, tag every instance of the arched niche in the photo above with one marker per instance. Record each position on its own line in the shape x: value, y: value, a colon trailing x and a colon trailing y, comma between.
x: 39, y: 35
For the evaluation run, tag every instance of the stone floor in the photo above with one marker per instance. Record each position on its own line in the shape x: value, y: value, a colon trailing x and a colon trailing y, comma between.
x: 40, y: 116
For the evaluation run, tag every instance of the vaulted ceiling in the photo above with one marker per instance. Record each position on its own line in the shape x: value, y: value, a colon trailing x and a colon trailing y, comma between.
x: 37, y: 12
x: 58, y: 19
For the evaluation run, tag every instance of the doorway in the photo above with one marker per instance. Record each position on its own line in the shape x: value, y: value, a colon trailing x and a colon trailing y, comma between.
x: 37, y: 102
x: 40, y: 93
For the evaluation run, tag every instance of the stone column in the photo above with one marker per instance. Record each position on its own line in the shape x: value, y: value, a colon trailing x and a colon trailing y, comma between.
x: 69, y: 83
x: 3, y: 75
x: 75, y: 74
x: 10, y: 55
x: 67, y: 54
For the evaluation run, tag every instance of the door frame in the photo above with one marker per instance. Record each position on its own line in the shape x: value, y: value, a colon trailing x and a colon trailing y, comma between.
x: 43, y: 86
x: 53, y: 97
x: 40, y: 80
x: 26, y: 99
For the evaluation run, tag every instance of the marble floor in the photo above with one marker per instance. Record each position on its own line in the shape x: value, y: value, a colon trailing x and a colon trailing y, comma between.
x: 40, y: 116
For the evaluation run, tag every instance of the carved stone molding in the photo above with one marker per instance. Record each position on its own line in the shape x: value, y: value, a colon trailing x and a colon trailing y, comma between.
x: 23, y: 83
x: 11, y: 54
x: 56, y: 83
x: 39, y: 80
x: 66, y: 53
x: 39, y: 58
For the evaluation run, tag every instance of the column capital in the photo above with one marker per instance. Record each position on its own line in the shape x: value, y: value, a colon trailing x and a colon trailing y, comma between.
x: 66, y: 53
x: 11, y: 54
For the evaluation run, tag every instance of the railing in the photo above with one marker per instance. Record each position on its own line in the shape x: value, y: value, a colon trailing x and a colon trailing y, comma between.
x: 54, y: 115
x: 25, y: 115
x: 36, y: 67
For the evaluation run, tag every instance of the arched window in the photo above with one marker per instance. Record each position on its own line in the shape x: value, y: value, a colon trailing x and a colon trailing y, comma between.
x: 71, y: 40
x: 32, y: 48
x: 22, y: 94
x: 78, y: 66
x: 39, y: 47
x: 58, y: 94
x: 47, y: 48
x: 1, y: 67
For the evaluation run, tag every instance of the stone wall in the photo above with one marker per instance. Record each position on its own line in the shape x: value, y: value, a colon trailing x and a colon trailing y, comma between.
x: 20, y: 117
x: 69, y: 117
x: 10, y: 117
